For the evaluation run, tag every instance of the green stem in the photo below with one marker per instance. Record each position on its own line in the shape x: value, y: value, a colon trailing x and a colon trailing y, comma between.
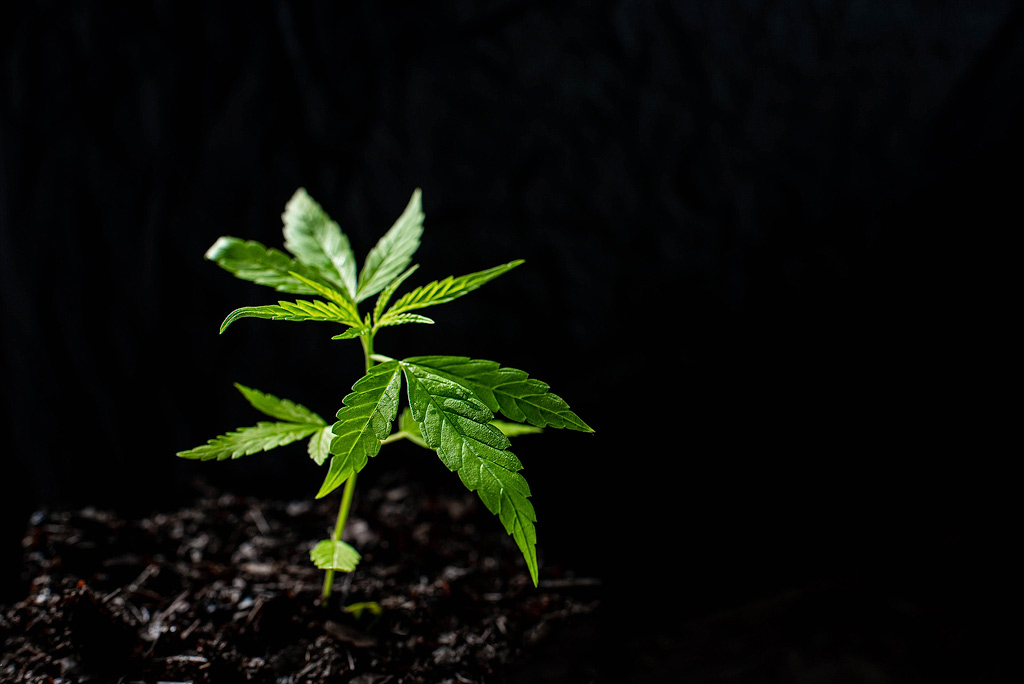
x: 346, y: 504
x: 350, y: 483
x: 367, y: 341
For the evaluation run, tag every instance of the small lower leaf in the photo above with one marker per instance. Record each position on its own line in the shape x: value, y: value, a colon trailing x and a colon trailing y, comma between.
x: 334, y: 555
x: 319, y: 446
x: 357, y: 609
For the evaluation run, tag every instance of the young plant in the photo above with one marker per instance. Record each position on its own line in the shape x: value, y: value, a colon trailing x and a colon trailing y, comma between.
x: 452, y: 400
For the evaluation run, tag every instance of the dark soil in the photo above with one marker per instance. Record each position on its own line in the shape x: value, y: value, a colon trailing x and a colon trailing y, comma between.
x: 223, y: 591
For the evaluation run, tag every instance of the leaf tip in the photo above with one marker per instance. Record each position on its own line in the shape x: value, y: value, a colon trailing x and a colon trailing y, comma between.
x: 218, y: 248
x: 297, y: 196
x: 328, y: 486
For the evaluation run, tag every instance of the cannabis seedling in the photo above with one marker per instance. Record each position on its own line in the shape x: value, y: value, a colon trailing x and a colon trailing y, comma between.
x: 452, y: 400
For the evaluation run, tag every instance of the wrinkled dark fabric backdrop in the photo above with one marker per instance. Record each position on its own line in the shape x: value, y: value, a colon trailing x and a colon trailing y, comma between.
x: 765, y: 250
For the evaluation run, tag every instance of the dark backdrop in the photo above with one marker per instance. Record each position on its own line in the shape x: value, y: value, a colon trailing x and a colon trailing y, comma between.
x: 766, y: 259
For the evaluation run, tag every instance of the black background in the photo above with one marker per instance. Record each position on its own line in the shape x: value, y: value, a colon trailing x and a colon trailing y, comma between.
x: 766, y: 256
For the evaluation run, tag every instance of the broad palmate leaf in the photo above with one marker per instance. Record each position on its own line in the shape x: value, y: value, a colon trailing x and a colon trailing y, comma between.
x: 364, y: 420
x: 250, y: 440
x: 442, y: 291
x: 508, y: 391
x: 455, y: 423
x: 393, y: 251
x: 334, y: 555
x: 317, y: 241
x: 253, y: 261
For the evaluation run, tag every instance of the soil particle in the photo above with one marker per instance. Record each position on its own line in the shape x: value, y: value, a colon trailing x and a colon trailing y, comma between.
x: 223, y: 591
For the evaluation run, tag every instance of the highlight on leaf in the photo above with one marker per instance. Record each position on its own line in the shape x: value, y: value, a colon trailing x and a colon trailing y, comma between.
x: 393, y: 252
x: 319, y: 446
x: 253, y: 261
x: 402, y: 319
x: 299, y: 310
x: 330, y: 554
x: 443, y: 291
x: 317, y: 241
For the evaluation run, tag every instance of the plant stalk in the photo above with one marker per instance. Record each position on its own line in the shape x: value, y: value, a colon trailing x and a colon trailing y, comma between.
x: 350, y: 484
x: 346, y: 504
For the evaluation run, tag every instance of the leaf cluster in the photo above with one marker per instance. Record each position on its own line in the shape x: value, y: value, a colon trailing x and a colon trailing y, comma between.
x: 322, y: 263
x: 453, y: 402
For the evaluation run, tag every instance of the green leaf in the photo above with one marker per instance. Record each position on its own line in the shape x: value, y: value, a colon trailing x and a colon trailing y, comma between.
x: 352, y: 333
x: 357, y: 609
x: 515, y: 429
x: 282, y: 409
x: 252, y: 261
x: 411, y: 429
x: 363, y: 421
x: 250, y: 440
x: 402, y: 319
x: 389, y: 291
x: 317, y: 241
x: 340, y: 298
x: 408, y: 425
x: 319, y: 446
x: 455, y: 423
x: 300, y: 310
x: 334, y: 555
x: 508, y: 391
x: 442, y: 291
x: 393, y: 251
